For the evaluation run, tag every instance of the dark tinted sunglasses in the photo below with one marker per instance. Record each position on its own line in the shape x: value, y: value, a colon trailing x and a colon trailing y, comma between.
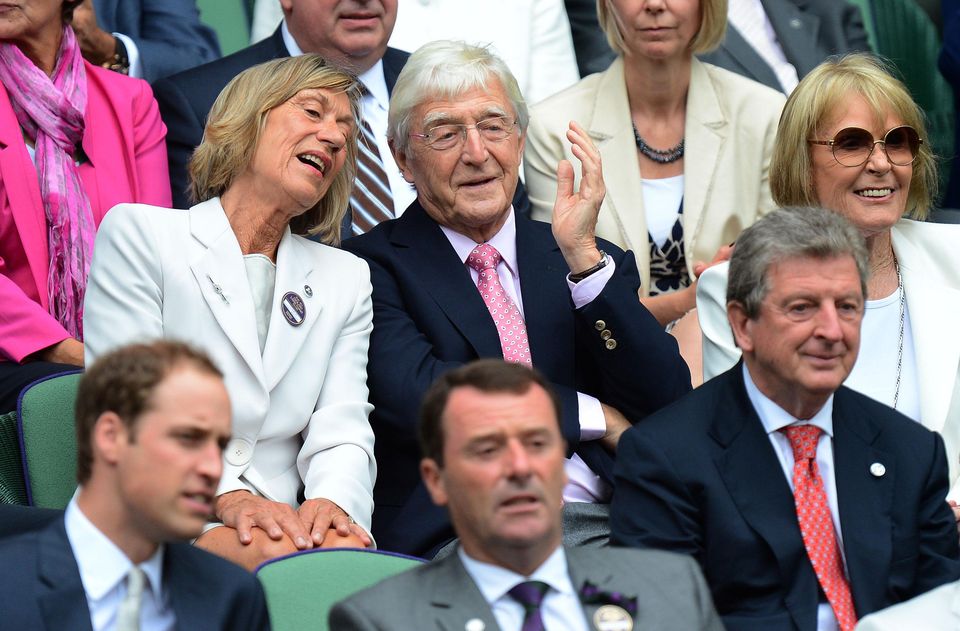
x: 852, y: 146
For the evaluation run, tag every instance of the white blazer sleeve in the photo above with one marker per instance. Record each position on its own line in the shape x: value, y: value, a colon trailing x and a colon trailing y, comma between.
x: 720, y: 352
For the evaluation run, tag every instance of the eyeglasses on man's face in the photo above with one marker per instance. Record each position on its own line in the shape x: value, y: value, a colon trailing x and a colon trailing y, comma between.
x: 852, y: 146
x: 450, y: 135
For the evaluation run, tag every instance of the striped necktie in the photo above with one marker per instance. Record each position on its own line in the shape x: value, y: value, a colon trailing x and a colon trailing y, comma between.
x: 371, y: 201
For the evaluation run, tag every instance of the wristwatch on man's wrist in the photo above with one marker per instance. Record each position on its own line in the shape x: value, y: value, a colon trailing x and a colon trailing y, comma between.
x: 119, y: 61
x: 579, y: 276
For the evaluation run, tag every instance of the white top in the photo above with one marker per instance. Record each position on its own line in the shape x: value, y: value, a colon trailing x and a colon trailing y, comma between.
x: 875, y: 371
x: 561, y: 609
x: 750, y: 20
x: 373, y: 107
x: 661, y: 203
x: 531, y: 36
x: 103, y: 573
x: 262, y: 277
x: 584, y: 485
x: 774, y: 418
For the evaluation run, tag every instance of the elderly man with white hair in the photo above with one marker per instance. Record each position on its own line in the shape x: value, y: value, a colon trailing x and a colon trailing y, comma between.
x: 461, y: 275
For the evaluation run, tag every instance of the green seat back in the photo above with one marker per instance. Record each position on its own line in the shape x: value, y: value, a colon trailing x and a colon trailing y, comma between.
x: 47, y: 431
x: 304, y: 586
x: 907, y: 37
x: 12, y: 490
x: 229, y: 19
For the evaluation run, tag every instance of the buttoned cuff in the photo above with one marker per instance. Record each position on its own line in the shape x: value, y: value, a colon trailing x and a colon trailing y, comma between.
x: 592, y: 424
x: 587, y: 290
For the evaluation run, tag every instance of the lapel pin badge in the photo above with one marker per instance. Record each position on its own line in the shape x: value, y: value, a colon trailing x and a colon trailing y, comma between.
x: 307, y: 289
x: 293, y: 308
x: 217, y: 289
x: 877, y: 470
x: 612, y: 618
x: 474, y: 624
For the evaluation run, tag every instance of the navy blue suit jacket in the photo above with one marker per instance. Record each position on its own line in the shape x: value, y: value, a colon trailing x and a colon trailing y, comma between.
x: 168, y: 33
x: 185, y: 100
x: 428, y: 318
x: 702, y: 478
x: 41, y: 588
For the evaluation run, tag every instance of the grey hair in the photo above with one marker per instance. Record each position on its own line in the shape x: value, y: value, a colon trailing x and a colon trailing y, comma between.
x: 447, y: 69
x: 790, y: 233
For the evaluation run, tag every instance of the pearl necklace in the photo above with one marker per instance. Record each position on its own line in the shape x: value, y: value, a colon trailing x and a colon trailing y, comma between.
x: 662, y: 156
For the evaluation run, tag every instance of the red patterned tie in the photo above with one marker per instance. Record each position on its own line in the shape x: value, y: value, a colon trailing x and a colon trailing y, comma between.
x: 510, y: 325
x: 816, y: 524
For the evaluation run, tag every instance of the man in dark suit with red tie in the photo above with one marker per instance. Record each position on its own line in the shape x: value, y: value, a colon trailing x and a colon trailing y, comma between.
x: 807, y: 504
x: 462, y: 275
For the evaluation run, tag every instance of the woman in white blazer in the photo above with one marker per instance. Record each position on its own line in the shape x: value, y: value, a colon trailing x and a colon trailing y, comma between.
x: 843, y: 144
x: 286, y: 319
x: 685, y: 145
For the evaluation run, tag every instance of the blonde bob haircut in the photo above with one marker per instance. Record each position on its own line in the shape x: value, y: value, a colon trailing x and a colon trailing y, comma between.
x: 713, y: 26
x: 811, y: 106
x: 235, y: 126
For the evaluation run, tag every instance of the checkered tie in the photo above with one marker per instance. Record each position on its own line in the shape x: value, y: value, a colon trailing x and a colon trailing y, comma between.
x: 530, y: 594
x: 816, y: 524
x: 505, y: 314
x: 371, y: 200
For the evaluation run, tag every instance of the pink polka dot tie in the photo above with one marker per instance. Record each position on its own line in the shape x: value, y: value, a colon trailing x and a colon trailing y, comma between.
x: 816, y: 524
x: 510, y: 325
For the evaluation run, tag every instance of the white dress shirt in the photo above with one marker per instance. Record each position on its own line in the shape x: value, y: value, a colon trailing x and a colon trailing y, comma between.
x: 373, y: 107
x: 774, y: 419
x: 584, y: 484
x: 103, y: 572
x: 561, y: 609
x: 751, y: 21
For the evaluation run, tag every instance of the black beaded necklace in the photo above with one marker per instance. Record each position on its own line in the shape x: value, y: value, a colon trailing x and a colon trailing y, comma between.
x: 663, y: 156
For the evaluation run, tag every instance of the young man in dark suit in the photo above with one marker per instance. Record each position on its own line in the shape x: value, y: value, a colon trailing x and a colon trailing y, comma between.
x: 152, y: 422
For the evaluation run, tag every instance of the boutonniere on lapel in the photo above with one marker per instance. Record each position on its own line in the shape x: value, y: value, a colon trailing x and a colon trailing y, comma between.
x: 616, y: 610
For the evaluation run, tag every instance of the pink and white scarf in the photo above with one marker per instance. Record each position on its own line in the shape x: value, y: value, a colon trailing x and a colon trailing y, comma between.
x: 50, y: 110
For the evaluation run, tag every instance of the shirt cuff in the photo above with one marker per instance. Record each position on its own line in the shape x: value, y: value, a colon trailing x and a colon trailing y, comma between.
x: 133, y: 56
x: 592, y: 424
x: 586, y: 291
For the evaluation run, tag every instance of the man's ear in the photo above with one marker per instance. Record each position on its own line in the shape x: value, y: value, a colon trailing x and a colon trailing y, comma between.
x: 401, y: 159
x: 741, y: 325
x: 432, y: 476
x: 110, y: 436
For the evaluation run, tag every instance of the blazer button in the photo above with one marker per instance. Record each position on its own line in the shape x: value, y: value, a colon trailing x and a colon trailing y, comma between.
x: 796, y: 23
x: 600, y: 325
x: 238, y: 452
x: 605, y: 334
x: 611, y: 344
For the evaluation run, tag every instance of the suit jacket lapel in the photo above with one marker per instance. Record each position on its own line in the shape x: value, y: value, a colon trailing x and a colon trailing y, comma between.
x: 754, y: 478
x: 797, y: 32
x: 64, y: 603
x: 543, y: 287
x: 221, y: 265
x: 705, y: 132
x: 864, y: 499
x: 393, y: 61
x: 936, y: 339
x: 422, y: 246
x: 188, y: 602
x: 750, y: 61
x: 22, y: 186
x: 455, y: 598
x: 611, y: 127
x: 284, y: 341
x: 582, y: 570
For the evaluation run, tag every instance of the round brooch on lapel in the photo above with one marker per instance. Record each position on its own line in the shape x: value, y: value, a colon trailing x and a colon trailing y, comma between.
x: 293, y: 308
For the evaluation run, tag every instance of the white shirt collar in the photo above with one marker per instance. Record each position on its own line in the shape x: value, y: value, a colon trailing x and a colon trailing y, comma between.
x: 101, y: 563
x: 775, y: 418
x: 376, y: 85
x: 505, y: 241
x: 292, y: 47
x: 494, y: 581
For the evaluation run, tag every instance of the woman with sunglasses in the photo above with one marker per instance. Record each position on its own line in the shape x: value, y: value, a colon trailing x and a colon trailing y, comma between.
x: 851, y: 140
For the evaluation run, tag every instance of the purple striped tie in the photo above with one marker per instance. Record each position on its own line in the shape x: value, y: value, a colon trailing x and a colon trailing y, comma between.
x: 371, y: 201
x: 530, y: 594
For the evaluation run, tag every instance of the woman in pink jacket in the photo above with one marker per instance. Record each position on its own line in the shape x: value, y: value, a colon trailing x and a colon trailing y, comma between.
x: 75, y: 140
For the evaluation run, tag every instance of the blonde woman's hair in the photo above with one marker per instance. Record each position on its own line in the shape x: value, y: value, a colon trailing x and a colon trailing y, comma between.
x: 235, y: 126
x: 815, y: 100
x: 713, y: 26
